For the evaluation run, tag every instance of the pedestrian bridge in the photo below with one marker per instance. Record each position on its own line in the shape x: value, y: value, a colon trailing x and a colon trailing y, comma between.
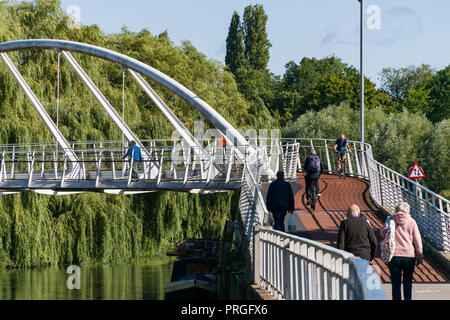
x: 302, y: 266
x: 307, y: 265
x: 100, y: 167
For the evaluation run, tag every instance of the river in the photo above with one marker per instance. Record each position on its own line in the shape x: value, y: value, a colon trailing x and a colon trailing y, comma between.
x: 142, y: 280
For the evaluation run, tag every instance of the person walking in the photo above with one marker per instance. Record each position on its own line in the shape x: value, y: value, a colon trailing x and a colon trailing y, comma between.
x: 280, y: 200
x: 135, y: 152
x: 408, y: 251
x: 314, y: 168
x: 356, y: 235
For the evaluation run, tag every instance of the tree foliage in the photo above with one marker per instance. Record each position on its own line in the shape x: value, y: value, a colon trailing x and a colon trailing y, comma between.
x: 419, y: 89
x: 37, y: 229
x: 247, y: 58
x: 436, y: 158
x: 397, y: 139
x: 439, y: 87
x: 235, y: 56
x: 255, y: 37
x: 314, y: 84
x: 397, y: 82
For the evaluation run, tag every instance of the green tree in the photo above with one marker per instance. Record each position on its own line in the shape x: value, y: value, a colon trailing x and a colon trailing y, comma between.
x: 439, y: 87
x: 436, y: 158
x: 235, y: 44
x: 36, y: 229
x: 418, y: 99
x: 248, y: 59
x: 397, y: 82
x: 255, y: 37
x: 397, y: 139
x: 314, y: 84
x: 332, y: 121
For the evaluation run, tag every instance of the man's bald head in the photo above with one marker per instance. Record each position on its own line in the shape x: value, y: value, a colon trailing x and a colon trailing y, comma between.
x: 313, y: 151
x: 353, y: 210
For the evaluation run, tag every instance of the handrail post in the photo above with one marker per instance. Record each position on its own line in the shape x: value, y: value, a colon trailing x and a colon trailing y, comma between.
x: 256, y: 255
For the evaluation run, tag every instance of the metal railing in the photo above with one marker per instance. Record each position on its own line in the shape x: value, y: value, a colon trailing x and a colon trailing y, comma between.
x: 387, y: 187
x: 430, y: 210
x: 252, y: 207
x: 295, y: 268
x: 25, y: 166
x: 32, y: 165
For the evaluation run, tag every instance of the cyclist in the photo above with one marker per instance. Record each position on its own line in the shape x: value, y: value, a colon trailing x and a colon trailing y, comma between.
x: 341, y: 147
x: 314, y: 168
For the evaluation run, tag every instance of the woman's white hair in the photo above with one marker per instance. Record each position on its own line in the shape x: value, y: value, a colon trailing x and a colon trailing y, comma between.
x: 402, y: 206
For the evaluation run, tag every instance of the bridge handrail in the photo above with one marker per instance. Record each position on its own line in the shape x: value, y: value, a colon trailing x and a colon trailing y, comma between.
x: 438, y: 196
x: 383, y: 182
x: 388, y: 188
x: 252, y: 207
x: 369, y: 148
x: 282, y: 260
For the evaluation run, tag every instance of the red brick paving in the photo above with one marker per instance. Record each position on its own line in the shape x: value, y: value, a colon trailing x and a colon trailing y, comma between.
x: 336, y: 196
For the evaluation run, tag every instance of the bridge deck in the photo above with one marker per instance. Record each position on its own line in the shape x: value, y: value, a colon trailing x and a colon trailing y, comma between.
x: 323, y: 224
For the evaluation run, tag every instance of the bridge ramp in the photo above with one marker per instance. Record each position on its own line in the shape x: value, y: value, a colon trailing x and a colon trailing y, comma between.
x: 323, y: 223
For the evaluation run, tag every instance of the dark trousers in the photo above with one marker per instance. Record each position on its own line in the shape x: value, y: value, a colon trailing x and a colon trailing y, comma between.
x: 278, y: 215
x: 397, y: 266
x: 309, y: 180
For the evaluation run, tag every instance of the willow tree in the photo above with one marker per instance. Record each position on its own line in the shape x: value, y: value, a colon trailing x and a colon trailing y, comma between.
x: 39, y: 230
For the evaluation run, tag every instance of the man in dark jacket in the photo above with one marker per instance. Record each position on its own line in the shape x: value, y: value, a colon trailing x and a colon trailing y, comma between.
x: 356, y: 235
x: 279, y: 200
x: 314, y: 168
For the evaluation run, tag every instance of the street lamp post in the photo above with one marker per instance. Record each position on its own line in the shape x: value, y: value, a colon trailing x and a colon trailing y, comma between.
x: 362, y: 72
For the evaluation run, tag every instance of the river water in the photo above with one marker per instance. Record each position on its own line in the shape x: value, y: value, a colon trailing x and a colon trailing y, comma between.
x: 143, y: 280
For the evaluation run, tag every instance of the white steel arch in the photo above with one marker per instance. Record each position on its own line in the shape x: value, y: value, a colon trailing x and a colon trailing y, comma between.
x: 130, y: 63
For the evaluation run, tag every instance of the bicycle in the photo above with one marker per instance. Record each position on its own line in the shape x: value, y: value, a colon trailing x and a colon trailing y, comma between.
x: 341, y: 165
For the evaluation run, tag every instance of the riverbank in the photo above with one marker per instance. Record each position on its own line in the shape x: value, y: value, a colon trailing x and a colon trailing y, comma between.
x: 37, y: 230
x: 143, y: 280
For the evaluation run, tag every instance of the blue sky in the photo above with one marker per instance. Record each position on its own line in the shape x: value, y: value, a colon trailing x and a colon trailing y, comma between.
x: 411, y: 32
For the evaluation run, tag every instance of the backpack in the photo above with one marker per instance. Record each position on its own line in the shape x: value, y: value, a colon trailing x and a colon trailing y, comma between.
x: 388, y: 243
x: 314, y: 164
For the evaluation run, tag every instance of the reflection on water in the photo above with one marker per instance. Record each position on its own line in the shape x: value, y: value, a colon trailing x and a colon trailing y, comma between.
x: 141, y: 281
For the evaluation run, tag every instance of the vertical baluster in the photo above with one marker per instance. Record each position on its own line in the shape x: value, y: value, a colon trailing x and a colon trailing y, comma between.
x: 3, y: 173
x: 186, y: 164
x: 13, y: 162
x: 350, y: 166
x: 328, y: 158
x: 83, y: 165
x: 357, y: 155
x: 63, y: 175
x: 99, y: 168
x: 43, y: 162
x: 55, y: 164
x: 160, y: 167
x: 113, y: 165
x: 31, y: 169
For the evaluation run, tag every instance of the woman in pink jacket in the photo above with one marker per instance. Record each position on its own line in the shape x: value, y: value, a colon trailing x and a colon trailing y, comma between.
x: 408, y: 251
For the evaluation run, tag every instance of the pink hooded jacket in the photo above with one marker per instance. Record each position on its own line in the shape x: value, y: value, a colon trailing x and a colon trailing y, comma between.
x: 408, y: 242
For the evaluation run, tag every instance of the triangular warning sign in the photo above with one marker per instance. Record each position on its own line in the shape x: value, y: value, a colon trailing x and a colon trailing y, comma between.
x: 416, y: 172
